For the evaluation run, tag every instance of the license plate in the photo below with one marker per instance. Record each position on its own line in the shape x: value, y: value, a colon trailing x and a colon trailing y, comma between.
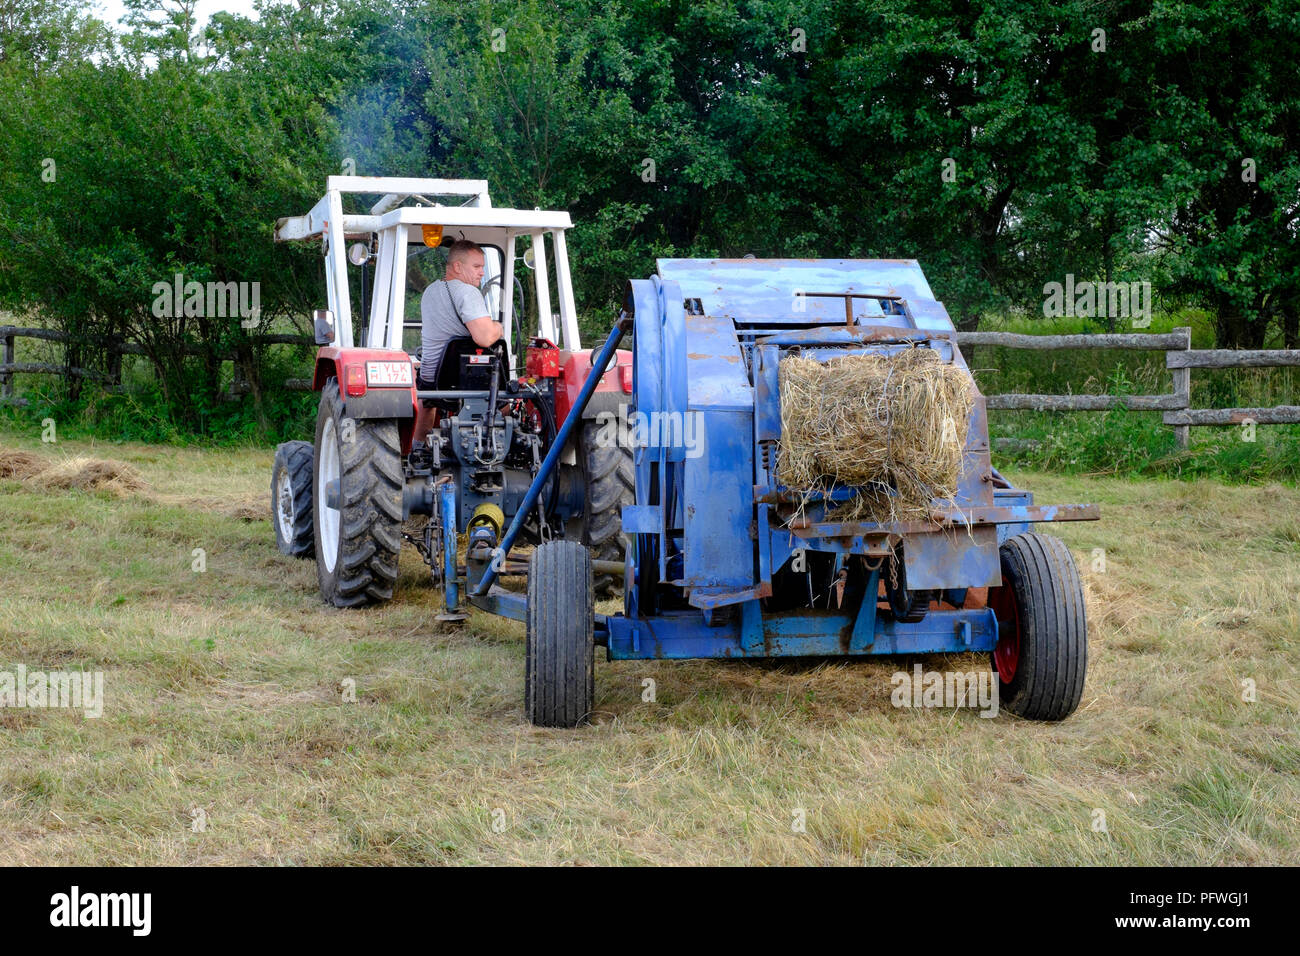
x: 388, y: 373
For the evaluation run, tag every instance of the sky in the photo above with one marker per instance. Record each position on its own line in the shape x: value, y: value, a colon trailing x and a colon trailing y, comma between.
x: 111, y: 11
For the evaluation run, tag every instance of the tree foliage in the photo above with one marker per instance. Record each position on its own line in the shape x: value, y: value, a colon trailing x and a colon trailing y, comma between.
x: 1004, y: 144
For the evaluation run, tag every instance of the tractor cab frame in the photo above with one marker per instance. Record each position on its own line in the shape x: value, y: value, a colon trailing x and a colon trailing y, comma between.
x: 393, y: 229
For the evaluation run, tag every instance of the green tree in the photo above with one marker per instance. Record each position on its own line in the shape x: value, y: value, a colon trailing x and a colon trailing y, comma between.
x: 39, y: 35
x: 1214, y: 169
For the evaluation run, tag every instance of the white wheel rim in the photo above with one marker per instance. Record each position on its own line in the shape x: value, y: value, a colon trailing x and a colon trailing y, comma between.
x: 327, y: 470
x: 284, y: 506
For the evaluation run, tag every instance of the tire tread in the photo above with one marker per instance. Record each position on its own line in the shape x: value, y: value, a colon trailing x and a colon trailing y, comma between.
x: 295, y: 457
x: 370, y: 520
x: 559, y: 652
x: 1049, y: 678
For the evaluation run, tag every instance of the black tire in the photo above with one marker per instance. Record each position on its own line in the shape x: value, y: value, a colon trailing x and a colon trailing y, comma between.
x: 608, y: 484
x: 1041, y: 604
x: 291, y: 507
x: 559, y: 640
x: 363, y: 566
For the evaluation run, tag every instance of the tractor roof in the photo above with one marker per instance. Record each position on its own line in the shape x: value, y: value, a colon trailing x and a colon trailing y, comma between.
x: 473, y: 217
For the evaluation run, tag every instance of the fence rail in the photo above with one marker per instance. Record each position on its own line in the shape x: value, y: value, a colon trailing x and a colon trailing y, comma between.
x: 116, y: 349
x: 1180, y: 359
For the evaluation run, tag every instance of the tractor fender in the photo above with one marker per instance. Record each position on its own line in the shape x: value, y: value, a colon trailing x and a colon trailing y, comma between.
x: 614, y: 390
x: 397, y: 401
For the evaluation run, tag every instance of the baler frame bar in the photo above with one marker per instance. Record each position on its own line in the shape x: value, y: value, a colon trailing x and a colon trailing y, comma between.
x: 848, y: 298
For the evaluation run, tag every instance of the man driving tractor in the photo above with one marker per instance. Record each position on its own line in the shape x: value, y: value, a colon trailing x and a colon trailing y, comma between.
x: 452, y: 308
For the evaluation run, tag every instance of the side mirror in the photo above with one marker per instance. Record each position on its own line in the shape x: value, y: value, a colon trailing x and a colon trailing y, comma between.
x: 530, y: 257
x: 358, y: 253
x: 323, y: 321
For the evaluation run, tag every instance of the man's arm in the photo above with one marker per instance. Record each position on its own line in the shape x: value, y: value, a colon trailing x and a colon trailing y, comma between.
x: 484, y: 331
x: 470, y: 301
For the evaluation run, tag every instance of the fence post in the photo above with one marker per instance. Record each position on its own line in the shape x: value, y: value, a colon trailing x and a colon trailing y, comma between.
x: 115, y: 362
x: 1182, y: 386
x: 8, y: 377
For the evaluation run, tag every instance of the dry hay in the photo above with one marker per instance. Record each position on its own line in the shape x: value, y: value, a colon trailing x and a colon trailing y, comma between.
x: 248, y: 508
x: 81, y: 473
x: 20, y: 464
x: 875, y: 422
x: 90, y: 474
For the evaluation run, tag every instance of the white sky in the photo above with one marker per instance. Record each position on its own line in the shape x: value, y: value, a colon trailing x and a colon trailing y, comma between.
x: 111, y: 11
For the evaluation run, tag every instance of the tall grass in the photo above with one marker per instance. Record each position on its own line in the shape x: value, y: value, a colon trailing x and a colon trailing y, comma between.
x: 138, y: 411
x: 1117, y: 442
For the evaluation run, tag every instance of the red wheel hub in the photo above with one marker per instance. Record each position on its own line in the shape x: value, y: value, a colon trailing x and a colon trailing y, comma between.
x: 1006, y: 655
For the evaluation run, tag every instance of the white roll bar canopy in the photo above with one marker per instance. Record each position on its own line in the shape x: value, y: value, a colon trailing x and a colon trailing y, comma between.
x: 395, y: 226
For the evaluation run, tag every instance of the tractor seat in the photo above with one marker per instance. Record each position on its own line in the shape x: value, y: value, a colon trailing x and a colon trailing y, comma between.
x: 449, y: 369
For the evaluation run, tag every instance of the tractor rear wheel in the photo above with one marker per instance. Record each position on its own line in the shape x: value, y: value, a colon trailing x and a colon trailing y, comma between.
x: 1042, y: 649
x: 559, y: 640
x: 291, y: 510
x: 608, y: 484
x: 358, y: 504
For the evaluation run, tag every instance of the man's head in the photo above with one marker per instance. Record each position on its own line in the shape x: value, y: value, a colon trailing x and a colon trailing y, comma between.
x: 465, y: 262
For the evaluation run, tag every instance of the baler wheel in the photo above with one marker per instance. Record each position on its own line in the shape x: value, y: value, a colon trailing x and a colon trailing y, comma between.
x: 559, y: 642
x: 608, y: 482
x: 357, y: 542
x: 291, y: 508
x: 1042, y: 650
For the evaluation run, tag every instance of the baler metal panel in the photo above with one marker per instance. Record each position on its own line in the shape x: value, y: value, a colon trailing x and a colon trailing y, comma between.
x: 719, y: 470
x: 750, y: 289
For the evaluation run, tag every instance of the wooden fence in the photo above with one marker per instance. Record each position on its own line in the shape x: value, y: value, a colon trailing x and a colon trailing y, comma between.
x: 116, y: 349
x: 1180, y: 359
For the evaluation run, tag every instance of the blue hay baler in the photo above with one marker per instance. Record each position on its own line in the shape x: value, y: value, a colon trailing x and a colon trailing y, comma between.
x: 720, y: 560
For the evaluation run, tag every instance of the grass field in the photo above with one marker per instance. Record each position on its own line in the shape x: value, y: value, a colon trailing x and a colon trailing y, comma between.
x: 224, y: 693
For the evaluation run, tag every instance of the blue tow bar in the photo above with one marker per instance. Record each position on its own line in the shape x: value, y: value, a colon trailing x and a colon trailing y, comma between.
x: 451, y: 591
x: 553, y: 456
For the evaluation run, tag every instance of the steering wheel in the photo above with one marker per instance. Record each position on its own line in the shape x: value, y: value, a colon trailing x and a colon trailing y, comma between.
x: 520, y: 312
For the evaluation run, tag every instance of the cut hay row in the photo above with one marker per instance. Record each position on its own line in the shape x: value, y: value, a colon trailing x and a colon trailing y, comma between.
x: 85, y: 473
x: 80, y: 473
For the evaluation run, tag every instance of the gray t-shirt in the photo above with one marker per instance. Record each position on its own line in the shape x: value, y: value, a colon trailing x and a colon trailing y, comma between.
x: 445, y: 307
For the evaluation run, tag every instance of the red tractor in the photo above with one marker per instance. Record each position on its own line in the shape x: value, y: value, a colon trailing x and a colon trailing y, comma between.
x: 346, y: 496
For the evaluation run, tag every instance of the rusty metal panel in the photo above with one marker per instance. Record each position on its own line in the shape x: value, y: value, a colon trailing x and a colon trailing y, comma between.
x: 953, y: 559
x: 716, y: 376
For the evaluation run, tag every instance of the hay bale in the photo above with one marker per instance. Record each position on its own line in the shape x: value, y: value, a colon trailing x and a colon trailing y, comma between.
x: 21, y: 464
x: 893, y: 426
x: 91, y: 474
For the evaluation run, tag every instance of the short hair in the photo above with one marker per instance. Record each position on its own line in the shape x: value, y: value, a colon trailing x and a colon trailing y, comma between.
x: 459, y: 251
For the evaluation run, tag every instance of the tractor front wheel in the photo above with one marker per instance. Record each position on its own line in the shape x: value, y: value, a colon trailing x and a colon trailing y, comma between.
x: 358, y: 504
x: 1042, y: 649
x: 559, y: 640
